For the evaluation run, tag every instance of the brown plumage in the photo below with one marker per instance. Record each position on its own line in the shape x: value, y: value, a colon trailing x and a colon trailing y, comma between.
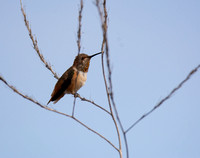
x: 73, y: 79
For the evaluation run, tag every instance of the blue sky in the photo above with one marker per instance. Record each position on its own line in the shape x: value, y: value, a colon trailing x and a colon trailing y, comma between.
x: 153, y: 46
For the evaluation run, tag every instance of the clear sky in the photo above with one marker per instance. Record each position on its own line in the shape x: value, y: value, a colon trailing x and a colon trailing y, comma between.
x: 153, y: 46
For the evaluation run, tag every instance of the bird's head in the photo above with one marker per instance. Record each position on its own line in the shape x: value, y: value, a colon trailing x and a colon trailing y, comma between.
x: 82, y: 61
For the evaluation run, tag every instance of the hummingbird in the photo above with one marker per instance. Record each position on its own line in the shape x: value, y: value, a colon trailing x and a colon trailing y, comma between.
x: 72, y: 79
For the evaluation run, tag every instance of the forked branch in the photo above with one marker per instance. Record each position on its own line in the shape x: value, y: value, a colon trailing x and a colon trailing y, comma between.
x: 53, y: 110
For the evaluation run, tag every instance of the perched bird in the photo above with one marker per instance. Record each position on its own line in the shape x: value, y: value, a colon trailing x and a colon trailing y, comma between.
x: 73, y: 79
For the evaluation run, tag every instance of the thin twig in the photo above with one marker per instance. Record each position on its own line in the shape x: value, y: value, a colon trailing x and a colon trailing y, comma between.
x: 79, y: 26
x: 165, y: 99
x: 97, y: 133
x: 74, y: 104
x: 105, y: 46
x: 35, y: 45
x: 53, y: 110
x: 92, y: 102
x: 110, y: 92
x: 79, y: 48
x: 110, y: 80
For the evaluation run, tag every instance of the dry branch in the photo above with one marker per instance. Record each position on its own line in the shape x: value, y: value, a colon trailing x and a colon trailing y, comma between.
x: 92, y: 102
x: 165, y: 99
x: 53, y: 110
x: 104, y: 48
x: 79, y: 26
x: 35, y: 45
x: 78, y: 45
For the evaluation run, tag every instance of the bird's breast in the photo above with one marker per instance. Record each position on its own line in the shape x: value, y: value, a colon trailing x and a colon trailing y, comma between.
x: 81, y: 79
x: 78, y: 80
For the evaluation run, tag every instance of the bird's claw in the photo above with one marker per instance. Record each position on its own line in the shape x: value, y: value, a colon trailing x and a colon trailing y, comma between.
x: 76, y: 95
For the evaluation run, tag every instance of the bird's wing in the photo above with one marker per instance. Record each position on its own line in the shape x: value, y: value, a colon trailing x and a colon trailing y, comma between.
x: 61, y: 85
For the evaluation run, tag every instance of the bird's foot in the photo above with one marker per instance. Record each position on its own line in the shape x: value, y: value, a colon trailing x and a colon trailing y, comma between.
x: 76, y: 95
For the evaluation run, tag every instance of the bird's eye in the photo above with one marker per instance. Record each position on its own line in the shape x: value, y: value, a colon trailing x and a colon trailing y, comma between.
x: 82, y: 58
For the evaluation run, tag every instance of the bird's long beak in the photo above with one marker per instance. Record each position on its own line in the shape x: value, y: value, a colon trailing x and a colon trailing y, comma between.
x: 94, y: 55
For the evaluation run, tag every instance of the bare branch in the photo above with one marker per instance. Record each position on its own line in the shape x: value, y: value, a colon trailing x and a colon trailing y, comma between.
x: 79, y: 27
x: 53, y: 110
x: 92, y: 102
x: 35, y: 45
x: 24, y: 96
x: 108, y: 66
x: 96, y: 133
x: 79, y: 46
x: 74, y: 105
x: 103, y: 17
x: 165, y: 99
